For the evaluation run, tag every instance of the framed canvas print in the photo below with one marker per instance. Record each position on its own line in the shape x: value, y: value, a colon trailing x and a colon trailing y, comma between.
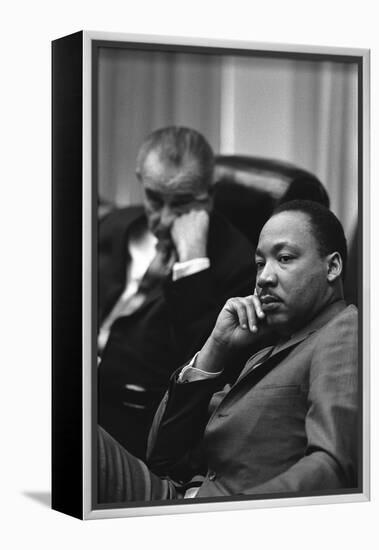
x: 210, y: 275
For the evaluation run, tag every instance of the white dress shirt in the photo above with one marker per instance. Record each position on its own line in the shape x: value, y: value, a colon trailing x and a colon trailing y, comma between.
x: 141, y: 251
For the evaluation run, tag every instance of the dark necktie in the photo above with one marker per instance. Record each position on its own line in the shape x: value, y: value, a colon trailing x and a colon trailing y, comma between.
x: 158, y: 270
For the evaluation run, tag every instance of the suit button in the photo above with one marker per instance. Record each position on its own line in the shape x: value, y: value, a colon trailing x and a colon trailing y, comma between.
x: 212, y: 476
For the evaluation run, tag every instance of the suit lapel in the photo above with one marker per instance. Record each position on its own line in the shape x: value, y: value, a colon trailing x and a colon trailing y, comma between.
x: 120, y: 256
x: 256, y: 368
x: 253, y: 373
x: 120, y: 253
x: 262, y: 363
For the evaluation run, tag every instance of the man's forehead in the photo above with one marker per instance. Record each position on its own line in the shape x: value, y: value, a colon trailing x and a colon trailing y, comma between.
x: 285, y: 229
x: 167, y: 178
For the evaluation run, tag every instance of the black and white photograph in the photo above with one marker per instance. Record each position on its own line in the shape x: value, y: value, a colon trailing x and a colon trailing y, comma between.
x: 189, y: 309
x: 227, y: 260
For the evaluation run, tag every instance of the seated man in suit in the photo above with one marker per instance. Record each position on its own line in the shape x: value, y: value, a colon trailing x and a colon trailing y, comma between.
x: 165, y: 271
x: 289, y: 423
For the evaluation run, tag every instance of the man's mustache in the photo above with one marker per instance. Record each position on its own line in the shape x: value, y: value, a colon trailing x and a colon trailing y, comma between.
x: 268, y: 297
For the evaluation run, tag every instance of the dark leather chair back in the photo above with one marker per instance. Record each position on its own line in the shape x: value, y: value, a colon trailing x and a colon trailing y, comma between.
x: 247, y: 189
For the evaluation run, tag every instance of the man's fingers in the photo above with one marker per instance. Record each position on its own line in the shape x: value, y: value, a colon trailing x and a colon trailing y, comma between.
x: 258, y: 306
x: 248, y: 311
x: 244, y: 309
x: 251, y: 313
x: 240, y: 309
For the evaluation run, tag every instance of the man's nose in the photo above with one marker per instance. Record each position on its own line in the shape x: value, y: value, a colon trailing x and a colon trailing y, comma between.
x: 267, y: 276
x: 167, y: 216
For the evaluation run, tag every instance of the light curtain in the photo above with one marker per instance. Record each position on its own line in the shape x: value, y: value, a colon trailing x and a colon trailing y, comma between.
x: 299, y: 111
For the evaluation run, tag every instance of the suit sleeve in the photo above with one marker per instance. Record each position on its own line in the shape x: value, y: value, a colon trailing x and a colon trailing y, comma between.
x: 331, y: 424
x: 179, y: 425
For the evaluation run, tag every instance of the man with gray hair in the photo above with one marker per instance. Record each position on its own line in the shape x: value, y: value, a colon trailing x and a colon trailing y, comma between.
x: 165, y: 271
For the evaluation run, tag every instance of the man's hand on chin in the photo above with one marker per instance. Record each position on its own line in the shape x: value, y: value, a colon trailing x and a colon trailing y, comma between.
x: 190, y: 235
x: 237, y: 326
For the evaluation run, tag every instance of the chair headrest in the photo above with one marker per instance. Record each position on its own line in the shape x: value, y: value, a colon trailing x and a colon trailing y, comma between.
x: 247, y: 189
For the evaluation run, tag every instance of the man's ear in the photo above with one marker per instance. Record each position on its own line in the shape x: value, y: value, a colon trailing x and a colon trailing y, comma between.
x: 334, y: 264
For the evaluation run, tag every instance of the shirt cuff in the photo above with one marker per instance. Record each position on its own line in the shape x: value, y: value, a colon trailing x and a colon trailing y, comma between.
x: 189, y: 373
x: 184, y: 269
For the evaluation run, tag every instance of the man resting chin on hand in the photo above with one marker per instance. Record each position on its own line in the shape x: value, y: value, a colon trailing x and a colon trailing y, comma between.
x: 289, y: 423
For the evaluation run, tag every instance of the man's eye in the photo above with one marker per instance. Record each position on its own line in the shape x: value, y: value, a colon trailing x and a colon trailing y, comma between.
x: 285, y: 259
x: 259, y: 264
x: 154, y: 201
x: 179, y: 204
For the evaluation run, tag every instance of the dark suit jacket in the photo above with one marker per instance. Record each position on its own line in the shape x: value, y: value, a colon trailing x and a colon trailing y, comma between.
x: 289, y: 423
x: 145, y: 347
